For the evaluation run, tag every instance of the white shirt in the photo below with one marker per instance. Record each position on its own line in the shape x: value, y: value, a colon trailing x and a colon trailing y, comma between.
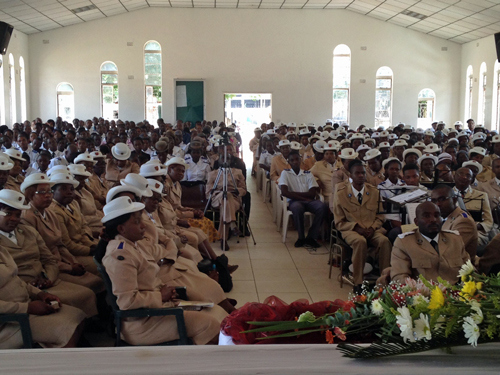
x: 356, y: 192
x: 11, y: 236
x: 197, y: 171
x: 177, y: 151
x: 58, y: 161
x: 385, y: 193
x: 265, y: 158
x: 431, y: 239
x: 297, y: 183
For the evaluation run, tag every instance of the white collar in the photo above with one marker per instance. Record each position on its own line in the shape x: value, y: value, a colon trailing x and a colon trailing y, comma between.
x: 356, y: 192
x: 398, y: 183
x: 430, y: 239
x: 11, y: 236
x: 497, y: 181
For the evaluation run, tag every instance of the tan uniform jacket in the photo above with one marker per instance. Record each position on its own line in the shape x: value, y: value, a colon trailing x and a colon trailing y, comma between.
x: 173, y: 193
x: 424, y: 178
x: 307, y: 164
x: 76, y: 235
x: 113, y: 175
x: 323, y: 172
x: 412, y: 255
x: 488, y: 160
x: 493, y: 190
x: 472, y: 200
x: 347, y: 211
x: 238, y: 177
x: 278, y: 164
x: 89, y: 210
x: 14, y: 183
x: 486, y: 175
x: 99, y: 188
x: 254, y: 145
x: 374, y: 178
x: 463, y: 223
x: 339, y: 175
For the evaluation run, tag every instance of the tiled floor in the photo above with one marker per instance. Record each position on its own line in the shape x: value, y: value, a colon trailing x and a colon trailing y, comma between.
x: 274, y: 268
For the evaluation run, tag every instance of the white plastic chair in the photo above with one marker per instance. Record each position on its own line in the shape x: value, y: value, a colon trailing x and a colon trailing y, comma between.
x: 286, y: 217
x: 258, y: 176
x: 266, y: 185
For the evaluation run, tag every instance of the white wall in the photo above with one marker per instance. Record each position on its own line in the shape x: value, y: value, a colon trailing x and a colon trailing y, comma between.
x: 284, y: 52
x: 18, y: 46
x: 474, y: 53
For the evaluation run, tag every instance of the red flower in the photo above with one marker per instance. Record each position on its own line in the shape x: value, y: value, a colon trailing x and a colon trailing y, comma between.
x: 339, y: 333
x: 329, y: 337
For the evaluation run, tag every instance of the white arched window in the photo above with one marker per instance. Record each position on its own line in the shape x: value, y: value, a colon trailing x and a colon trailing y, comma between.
x: 426, y: 105
x: 22, y: 86
x: 109, y: 90
x: 65, y: 101
x: 341, y: 83
x: 495, y: 108
x: 2, y: 94
x: 12, y: 93
x: 152, y: 80
x: 383, y: 97
x: 469, y: 80
x: 481, y: 104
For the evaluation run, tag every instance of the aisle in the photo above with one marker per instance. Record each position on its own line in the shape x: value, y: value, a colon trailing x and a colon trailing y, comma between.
x: 275, y: 268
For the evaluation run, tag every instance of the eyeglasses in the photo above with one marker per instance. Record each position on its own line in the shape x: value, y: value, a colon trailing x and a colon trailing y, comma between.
x: 439, y: 200
x: 44, y: 192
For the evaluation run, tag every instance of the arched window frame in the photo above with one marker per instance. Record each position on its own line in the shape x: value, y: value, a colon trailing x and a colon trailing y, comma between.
x: 12, y: 92
x: 152, y: 81
x: 426, y: 106
x: 495, y: 110
x: 481, y: 103
x: 65, y: 96
x: 109, y: 90
x: 383, y: 91
x: 341, y: 96
x: 469, y: 85
x: 22, y: 89
x: 2, y: 93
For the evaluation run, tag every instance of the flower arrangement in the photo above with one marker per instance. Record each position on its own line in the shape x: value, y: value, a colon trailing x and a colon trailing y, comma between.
x: 417, y: 316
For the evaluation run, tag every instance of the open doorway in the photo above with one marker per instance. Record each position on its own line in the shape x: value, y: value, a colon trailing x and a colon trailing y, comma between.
x: 247, y: 111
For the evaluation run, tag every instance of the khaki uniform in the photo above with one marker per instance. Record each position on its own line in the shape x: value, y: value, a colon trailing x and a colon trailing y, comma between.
x: 14, y: 183
x: 486, y: 175
x: 76, y: 235
x: 490, y: 257
x: 307, y: 164
x: 348, y: 213
x: 461, y: 222
x: 339, y: 175
x: 233, y: 201
x: 50, y: 230
x: 99, y: 188
x: 476, y: 200
x: 134, y: 275
x: 323, y: 172
x: 278, y: 164
x: 413, y: 255
x: 34, y: 259
x: 424, y: 178
x: 89, y: 210
x: 493, y: 190
x: 488, y: 160
x: 374, y: 178
x: 307, y: 152
x: 254, y: 148
x: 50, y: 331
x: 113, y: 174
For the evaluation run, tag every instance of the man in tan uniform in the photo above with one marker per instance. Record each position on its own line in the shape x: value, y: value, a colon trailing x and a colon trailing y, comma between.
x: 492, y: 187
x: 98, y: 185
x: 374, y: 171
x: 119, y: 166
x: 15, y: 178
x: 429, y: 251
x: 279, y: 162
x: 355, y: 207
x: 455, y: 219
x: 342, y: 174
x: 323, y: 170
x: 488, y: 160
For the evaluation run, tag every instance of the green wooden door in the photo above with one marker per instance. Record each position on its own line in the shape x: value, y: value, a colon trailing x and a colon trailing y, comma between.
x: 190, y: 101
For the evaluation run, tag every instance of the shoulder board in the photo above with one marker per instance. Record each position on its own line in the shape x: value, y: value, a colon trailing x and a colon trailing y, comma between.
x: 307, y: 171
x: 120, y: 246
x: 451, y: 231
x: 403, y: 235
x: 341, y: 186
x: 288, y: 169
x: 464, y: 214
x: 382, y: 183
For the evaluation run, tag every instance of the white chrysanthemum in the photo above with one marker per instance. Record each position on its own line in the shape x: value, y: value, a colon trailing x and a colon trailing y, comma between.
x: 439, y: 323
x: 418, y: 299
x: 422, y: 328
x: 466, y: 269
x: 405, y: 324
x: 376, y: 307
x: 471, y: 330
x: 477, y: 315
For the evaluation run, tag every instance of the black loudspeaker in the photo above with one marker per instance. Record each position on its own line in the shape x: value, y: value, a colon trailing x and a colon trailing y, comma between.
x: 497, y: 45
x: 5, y: 34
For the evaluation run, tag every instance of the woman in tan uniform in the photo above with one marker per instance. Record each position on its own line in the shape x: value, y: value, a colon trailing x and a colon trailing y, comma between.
x: 76, y: 235
x: 34, y: 260
x: 98, y: 185
x: 38, y: 193
x: 15, y: 178
x: 50, y: 328
x: 85, y: 200
x: 119, y: 166
x: 134, y: 275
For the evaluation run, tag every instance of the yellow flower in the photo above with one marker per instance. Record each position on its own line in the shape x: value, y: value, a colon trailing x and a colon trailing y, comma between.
x: 468, y: 289
x: 479, y: 286
x: 437, y: 299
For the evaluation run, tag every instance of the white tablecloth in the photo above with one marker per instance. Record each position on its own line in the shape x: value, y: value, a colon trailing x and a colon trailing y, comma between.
x: 256, y: 359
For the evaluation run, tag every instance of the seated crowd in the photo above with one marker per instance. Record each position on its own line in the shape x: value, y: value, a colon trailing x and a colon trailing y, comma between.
x: 75, y: 193
x: 361, y: 174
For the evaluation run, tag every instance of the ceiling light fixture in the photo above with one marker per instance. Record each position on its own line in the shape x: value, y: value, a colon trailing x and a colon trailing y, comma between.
x: 83, y: 9
x: 420, y: 16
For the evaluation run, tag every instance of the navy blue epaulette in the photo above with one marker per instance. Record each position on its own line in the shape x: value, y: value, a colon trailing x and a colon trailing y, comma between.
x: 120, y: 246
x: 464, y: 214
x: 307, y: 171
x: 288, y: 169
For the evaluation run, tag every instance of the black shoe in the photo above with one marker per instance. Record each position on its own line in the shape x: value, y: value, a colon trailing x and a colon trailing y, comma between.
x: 300, y: 242
x: 312, y: 242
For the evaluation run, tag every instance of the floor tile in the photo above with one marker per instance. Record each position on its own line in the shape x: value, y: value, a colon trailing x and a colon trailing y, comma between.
x: 243, y: 298
x: 243, y: 274
x: 243, y: 286
x: 273, y: 264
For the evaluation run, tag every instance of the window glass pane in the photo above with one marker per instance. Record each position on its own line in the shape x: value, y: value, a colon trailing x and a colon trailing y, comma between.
x: 235, y: 103
x: 383, y: 104
x: 340, y: 105
x: 109, y: 67
x: 384, y: 71
x: 342, y: 49
x: 65, y: 87
x: 341, y: 71
x: 252, y: 103
x: 384, y: 83
x: 152, y: 46
x: 426, y: 93
x: 109, y: 78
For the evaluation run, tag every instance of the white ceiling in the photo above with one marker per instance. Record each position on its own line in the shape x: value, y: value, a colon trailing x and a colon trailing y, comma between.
x: 460, y: 21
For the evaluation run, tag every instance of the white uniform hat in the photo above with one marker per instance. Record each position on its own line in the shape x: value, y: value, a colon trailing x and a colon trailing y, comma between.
x: 35, y: 179
x: 384, y: 145
x: 325, y: 134
x: 463, y: 134
x: 429, y: 133
x: 139, y: 182
x: 478, y: 136
x: 152, y: 170
x: 5, y: 162
x: 295, y: 146
x: 348, y: 154
x: 319, y: 145
x: 427, y: 156
x: 411, y: 151
x: 63, y: 177
x: 284, y: 142
x: 13, y: 199
x: 419, y: 131
x: 372, y: 154
x: 477, y: 150
x: 419, y: 144
x: 400, y: 142
x: 177, y: 160
x: 271, y: 132
x: 304, y: 132
x: 331, y: 146
x: 121, y: 151
x: 363, y: 147
x: 405, y: 137
x: 431, y: 148
x: 495, y: 139
x: 97, y: 155
x: 58, y: 169
x: 113, y: 192
x: 156, y: 186
x: 15, y: 154
x: 78, y: 170
x: 119, y: 207
x: 473, y: 163
x: 84, y: 157
x: 388, y: 160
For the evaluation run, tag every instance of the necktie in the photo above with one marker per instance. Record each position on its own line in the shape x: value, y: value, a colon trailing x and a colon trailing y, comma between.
x: 435, y: 246
x: 11, y: 235
x: 360, y: 198
x: 462, y: 193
